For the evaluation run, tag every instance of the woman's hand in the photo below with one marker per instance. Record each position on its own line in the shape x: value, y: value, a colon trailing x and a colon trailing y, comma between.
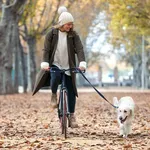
x: 82, y: 65
x: 46, y: 69
x: 82, y: 68
x: 45, y: 66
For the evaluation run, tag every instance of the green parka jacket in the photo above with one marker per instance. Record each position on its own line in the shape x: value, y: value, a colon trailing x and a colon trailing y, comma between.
x: 74, y: 47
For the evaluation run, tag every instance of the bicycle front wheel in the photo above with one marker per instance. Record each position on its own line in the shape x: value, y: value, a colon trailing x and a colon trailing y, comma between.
x: 64, y: 115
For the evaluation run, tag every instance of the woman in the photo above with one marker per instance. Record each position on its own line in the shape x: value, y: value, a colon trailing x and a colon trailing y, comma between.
x: 60, y: 46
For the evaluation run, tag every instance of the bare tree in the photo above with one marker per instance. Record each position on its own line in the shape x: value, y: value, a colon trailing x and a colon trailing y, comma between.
x: 8, y: 25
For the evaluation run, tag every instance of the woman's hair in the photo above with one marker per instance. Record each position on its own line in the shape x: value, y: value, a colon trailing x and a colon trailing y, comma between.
x: 71, y: 32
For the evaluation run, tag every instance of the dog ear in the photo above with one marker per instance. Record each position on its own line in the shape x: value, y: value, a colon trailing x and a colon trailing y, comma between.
x: 131, y: 113
x: 115, y: 101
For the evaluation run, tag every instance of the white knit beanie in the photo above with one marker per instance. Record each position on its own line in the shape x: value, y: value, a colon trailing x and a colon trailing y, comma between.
x: 65, y: 16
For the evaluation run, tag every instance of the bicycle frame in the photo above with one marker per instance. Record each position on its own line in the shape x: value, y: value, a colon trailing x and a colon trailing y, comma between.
x: 63, y: 107
x: 63, y: 90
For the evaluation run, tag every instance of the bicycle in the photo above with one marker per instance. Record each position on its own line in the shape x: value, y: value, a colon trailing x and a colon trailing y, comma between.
x: 63, y: 109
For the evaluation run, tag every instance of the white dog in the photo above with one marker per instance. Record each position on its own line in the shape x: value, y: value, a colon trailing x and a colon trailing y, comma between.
x: 125, y: 114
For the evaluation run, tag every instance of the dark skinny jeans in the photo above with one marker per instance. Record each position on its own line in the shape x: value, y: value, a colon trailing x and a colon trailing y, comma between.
x: 56, y: 79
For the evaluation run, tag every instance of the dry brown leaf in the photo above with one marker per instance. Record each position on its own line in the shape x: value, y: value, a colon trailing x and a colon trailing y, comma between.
x: 1, y: 142
x: 128, y: 146
x: 115, y: 121
x: 46, y: 126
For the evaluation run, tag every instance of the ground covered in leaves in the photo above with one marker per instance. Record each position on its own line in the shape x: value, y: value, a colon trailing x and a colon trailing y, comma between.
x: 26, y: 123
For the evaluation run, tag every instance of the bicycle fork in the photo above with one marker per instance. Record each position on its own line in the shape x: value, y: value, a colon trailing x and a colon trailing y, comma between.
x: 63, y: 103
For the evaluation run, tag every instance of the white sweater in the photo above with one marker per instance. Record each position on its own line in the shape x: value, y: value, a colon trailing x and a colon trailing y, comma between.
x: 61, y: 55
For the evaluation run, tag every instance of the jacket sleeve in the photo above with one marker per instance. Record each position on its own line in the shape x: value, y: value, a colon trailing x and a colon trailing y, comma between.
x: 79, y: 48
x: 47, y: 46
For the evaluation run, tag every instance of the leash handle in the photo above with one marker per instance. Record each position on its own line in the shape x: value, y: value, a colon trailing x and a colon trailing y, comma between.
x: 96, y: 89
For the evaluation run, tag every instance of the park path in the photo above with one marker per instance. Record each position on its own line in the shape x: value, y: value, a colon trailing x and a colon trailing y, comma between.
x: 27, y: 123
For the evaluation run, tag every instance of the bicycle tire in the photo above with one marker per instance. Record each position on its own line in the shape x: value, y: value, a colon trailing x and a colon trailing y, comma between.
x: 64, y: 116
x: 60, y: 111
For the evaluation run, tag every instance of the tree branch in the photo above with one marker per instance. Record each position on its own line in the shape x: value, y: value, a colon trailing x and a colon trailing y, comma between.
x: 11, y: 5
x: 55, y: 13
x: 41, y: 16
x: 16, y: 5
x: 23, y: 36
x: 43, y: 32
x: 47, y: 19
x: 26, y: 30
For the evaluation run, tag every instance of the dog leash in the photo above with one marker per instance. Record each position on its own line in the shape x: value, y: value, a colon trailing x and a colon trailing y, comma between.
x: 96, y: 89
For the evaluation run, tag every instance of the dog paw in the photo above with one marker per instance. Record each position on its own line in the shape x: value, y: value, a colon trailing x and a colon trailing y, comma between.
x: 125, y: 136
x: 120, y: 136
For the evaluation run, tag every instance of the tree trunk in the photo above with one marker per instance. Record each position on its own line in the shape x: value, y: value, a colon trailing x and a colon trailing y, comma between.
x: 31, y: 40
x: 146, y: 70
x: 2, y: 43
x: 8, y: 24
x: 23, y: 67
x: 16, y: 60
x: 137, y: 70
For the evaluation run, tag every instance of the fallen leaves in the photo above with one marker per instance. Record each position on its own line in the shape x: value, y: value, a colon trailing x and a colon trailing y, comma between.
x: 27, y: 123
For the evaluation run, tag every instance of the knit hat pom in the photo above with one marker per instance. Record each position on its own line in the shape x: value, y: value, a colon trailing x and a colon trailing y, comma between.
x: 62, y: 9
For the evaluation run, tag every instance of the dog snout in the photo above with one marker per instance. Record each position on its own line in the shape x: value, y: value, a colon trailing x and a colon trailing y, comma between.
x: 120, y: 118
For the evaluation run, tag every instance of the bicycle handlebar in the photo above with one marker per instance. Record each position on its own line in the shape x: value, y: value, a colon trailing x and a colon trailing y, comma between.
x: 74, y: 70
